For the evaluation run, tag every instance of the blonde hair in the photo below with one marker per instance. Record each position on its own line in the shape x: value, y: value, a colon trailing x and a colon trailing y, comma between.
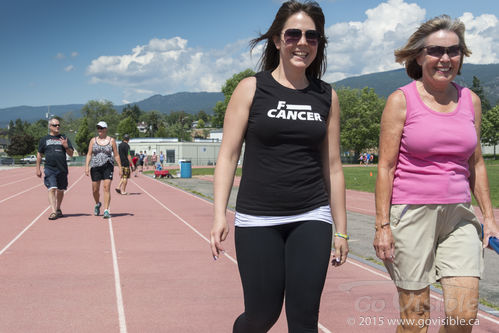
x: 416, y: 43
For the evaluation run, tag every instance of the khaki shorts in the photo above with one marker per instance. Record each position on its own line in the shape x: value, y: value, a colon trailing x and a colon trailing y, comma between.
x: 125, y: 172
x: 434, y: 241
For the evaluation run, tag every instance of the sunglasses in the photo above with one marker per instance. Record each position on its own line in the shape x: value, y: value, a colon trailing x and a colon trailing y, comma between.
x: 439, y: 51
x: 294, y: 35
x: 55, y: 125
x: 99, y: 128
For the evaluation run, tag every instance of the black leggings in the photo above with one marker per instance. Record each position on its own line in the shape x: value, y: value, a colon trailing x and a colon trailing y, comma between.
x: 286, y: 261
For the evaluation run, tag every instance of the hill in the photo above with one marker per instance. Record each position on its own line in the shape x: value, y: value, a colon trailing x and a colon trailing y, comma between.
x: 190, y: 102
x: 384, y: 83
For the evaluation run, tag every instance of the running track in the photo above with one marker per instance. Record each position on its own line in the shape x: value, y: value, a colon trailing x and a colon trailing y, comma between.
x: 149, y: 268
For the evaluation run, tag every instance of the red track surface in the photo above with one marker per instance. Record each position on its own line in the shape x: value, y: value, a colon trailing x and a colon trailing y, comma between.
x: 149, y: 268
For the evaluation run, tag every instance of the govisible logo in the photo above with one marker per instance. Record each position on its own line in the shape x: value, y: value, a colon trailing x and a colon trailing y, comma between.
x: 293, y: 112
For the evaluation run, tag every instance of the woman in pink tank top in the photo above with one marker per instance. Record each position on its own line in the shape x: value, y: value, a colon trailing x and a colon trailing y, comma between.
x: 430, y: 162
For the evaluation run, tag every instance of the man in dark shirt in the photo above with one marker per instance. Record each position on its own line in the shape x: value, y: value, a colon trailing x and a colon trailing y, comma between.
x: 126, y: 164
x: 54, y: 146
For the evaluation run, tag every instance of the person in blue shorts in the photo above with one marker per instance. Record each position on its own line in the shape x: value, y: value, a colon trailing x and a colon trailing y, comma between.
x: 54, y: 146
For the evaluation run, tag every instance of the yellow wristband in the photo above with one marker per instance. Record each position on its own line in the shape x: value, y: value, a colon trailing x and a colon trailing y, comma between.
x: 342, y: 236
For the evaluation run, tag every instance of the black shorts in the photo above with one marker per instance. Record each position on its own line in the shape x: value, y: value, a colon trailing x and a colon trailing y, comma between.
x: 55, y: 179
x: 102, y: 172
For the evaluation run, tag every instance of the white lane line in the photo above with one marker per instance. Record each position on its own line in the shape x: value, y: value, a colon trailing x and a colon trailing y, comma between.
x: 432, y: 295
x: 22, y: 232
x: 32, y: 222
x: 17, y: 194
x: 117, y: 281
x: 17, y: 181
x: 320, y: 326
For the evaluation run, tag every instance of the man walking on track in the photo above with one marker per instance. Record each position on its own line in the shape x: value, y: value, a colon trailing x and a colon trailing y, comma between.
x: 54, y: 146
x: 126, y: 164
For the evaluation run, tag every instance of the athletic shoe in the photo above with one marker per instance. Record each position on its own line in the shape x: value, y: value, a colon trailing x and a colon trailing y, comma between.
x: 59, y: 213
x: 106, y: 214
x: 53, y: 216
x: 97, y: 209
x: 118, y: 190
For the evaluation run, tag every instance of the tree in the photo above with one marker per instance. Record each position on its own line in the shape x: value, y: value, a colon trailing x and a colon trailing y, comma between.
x: 490, y: 128
x: 201, y: 115
x: 21, y: 144
x: 153, y: 119
x: 227, y: 89
x: 477, y: 88
x: 83, y: 137
x: 131, y: 111
x: 128, y: 126
x: 95, y: 111
x: 360, y: 118
x: 38, y: 129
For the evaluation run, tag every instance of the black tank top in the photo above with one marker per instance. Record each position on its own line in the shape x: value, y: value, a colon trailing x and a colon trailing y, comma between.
x: 282, y: 169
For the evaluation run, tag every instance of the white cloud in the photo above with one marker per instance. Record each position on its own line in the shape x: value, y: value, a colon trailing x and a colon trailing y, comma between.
x: 482, y: 37
x: 69, y: 68
x: 169, y: 65
x: 164, y: 66
x: 367, y: 47
x: 60, y: 56
x: 74, y: 54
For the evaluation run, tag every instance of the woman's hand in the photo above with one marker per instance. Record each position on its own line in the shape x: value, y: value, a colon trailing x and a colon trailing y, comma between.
x: 490, y: 229
x: 384, y: 244
x: 340, y: 251
x: 218, y: 234
x: 87, y: 172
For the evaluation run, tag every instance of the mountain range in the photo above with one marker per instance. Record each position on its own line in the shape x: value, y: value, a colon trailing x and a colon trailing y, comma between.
x: 383, y: 84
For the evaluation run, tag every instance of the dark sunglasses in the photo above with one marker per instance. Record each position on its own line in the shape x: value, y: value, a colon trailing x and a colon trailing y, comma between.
x: 55, y: 125
x: 99, y: 128
x: 439, y: 51
x: 294, y: 36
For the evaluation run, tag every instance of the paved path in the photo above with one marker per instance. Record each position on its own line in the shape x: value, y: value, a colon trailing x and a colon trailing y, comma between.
x: 361, y: 212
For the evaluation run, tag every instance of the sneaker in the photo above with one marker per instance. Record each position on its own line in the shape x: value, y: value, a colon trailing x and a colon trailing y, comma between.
x: 97, y: 209
x: 59, y: 213
x: 106, y: 214
x: 117, y: 190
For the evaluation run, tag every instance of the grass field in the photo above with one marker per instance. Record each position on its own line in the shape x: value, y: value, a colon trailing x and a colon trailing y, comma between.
x: 364, y: 178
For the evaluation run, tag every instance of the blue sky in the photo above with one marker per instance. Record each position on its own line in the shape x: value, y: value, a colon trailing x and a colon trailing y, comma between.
x: 68, y: 51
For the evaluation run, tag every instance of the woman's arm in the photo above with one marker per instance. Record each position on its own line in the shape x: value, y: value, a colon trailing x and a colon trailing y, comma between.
x: 235, y: 123
x: 479, y: 182
x: 116, y: 155
x: 89, y: 156
x: 335, y: 182
x: 392, y: 126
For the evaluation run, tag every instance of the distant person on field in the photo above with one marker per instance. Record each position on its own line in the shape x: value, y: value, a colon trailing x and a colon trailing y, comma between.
x: 154, y: 159
x: 126, y: 164
x: 100, y: 166
x: 430, y: 161
x: 141, y: 161
x: 292, y: 189
x: 135, y: 160
x: 161, y: 158
x: 54, y: 146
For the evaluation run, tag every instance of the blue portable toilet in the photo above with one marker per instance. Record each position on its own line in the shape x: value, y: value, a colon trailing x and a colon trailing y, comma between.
x: 185, y: 169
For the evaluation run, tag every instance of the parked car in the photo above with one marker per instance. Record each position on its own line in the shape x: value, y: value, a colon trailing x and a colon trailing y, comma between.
x: 29, y: 159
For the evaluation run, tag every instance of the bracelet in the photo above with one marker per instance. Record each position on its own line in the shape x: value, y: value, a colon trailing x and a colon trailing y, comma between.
x: 342, y: 236
x: 376, y: 227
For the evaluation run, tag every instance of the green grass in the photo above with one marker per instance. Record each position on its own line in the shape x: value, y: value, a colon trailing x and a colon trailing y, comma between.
x: 364, y: 178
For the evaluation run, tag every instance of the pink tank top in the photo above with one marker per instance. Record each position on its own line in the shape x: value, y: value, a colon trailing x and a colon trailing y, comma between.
x: 434, y: 151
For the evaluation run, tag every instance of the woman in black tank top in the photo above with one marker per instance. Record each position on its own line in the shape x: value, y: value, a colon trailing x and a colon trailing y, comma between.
x: 292, y: 179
